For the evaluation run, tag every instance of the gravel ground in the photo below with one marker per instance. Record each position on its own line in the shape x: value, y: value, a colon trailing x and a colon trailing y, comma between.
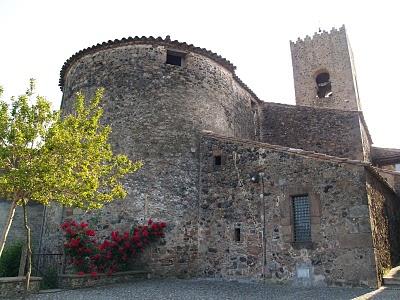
x: 210, y: 289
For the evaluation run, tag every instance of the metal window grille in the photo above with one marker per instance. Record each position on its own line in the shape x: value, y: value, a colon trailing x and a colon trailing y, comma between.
x: 301, y: 219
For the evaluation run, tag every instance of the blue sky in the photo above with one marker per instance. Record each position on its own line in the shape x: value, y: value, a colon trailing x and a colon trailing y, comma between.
x: 38, y: 36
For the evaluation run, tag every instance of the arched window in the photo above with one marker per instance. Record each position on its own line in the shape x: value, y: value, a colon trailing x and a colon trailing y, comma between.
x: 324, y: 87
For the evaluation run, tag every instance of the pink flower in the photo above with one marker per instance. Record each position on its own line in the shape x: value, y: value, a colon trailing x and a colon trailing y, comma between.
x: 93, y: 274
x: 81, y: 273
x: 150, y: 222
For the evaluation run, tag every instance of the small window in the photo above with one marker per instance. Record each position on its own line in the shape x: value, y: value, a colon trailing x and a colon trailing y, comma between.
x: 324, y: 87
x: 217, y: 160
x: 175, y: 58
x: 301, y: 219
x: 397, y: 167
x: 237, y: 235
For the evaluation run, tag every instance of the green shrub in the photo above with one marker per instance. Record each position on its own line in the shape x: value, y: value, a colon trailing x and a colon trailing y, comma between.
x: 49, y: 279
x: 9, y: 260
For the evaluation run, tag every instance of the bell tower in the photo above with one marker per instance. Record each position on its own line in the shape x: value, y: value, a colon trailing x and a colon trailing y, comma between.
x: 323, y: 71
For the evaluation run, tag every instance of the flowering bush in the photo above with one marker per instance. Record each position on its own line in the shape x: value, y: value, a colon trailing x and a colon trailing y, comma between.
x: 88, y: 255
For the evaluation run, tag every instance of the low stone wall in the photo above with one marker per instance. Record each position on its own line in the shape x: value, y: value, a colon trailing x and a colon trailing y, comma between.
x: 13, y: 287
x: 74, y: 281
x: 384, y: 208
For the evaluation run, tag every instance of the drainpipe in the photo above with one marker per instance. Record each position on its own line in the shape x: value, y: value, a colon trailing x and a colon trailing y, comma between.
x: 255, y: 179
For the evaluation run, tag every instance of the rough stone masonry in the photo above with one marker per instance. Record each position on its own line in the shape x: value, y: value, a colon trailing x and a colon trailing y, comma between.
x: 249, y: 189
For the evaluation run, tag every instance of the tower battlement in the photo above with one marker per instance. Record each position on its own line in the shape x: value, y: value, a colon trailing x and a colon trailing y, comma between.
x: 319, y: 35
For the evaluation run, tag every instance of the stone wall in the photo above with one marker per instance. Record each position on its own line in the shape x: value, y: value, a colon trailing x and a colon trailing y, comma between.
x: 366, y: 139
x: 341, y: 251
x: 385, y: 223
x: 17, y: 230
x: 156, y: 112
x: 327, y: 131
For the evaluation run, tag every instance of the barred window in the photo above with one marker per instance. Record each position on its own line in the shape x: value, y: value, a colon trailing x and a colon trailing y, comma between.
x: 301, y: 219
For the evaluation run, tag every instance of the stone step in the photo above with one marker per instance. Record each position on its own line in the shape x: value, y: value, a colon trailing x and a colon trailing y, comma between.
x: 392, y: 278
x: 393, y: 273
x: 391, y: 281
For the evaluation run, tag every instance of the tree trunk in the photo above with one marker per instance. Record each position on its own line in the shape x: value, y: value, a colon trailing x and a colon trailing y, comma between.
x: 7, y: 225
x: 28, y: 247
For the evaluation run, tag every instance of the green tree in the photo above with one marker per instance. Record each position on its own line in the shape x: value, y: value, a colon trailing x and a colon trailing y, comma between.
x: 48, y: 158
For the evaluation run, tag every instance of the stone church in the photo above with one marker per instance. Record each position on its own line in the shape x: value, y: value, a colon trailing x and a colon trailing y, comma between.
x: 249, y: 189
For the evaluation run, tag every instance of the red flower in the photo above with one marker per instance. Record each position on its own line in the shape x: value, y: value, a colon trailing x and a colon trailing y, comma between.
x: 84, y: 225
x: 65, y: 225
x: 96, y: 256
x: 74, y: 243
x: 81, y: 273
x: 93, y: 256
x: 90, y: 232
x: 115, y: 237
x: 104, y: 245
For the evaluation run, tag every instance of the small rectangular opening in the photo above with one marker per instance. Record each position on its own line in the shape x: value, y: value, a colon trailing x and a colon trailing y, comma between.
x: 174, y: 58
x: 217, y: 160
x: 237, y: 235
